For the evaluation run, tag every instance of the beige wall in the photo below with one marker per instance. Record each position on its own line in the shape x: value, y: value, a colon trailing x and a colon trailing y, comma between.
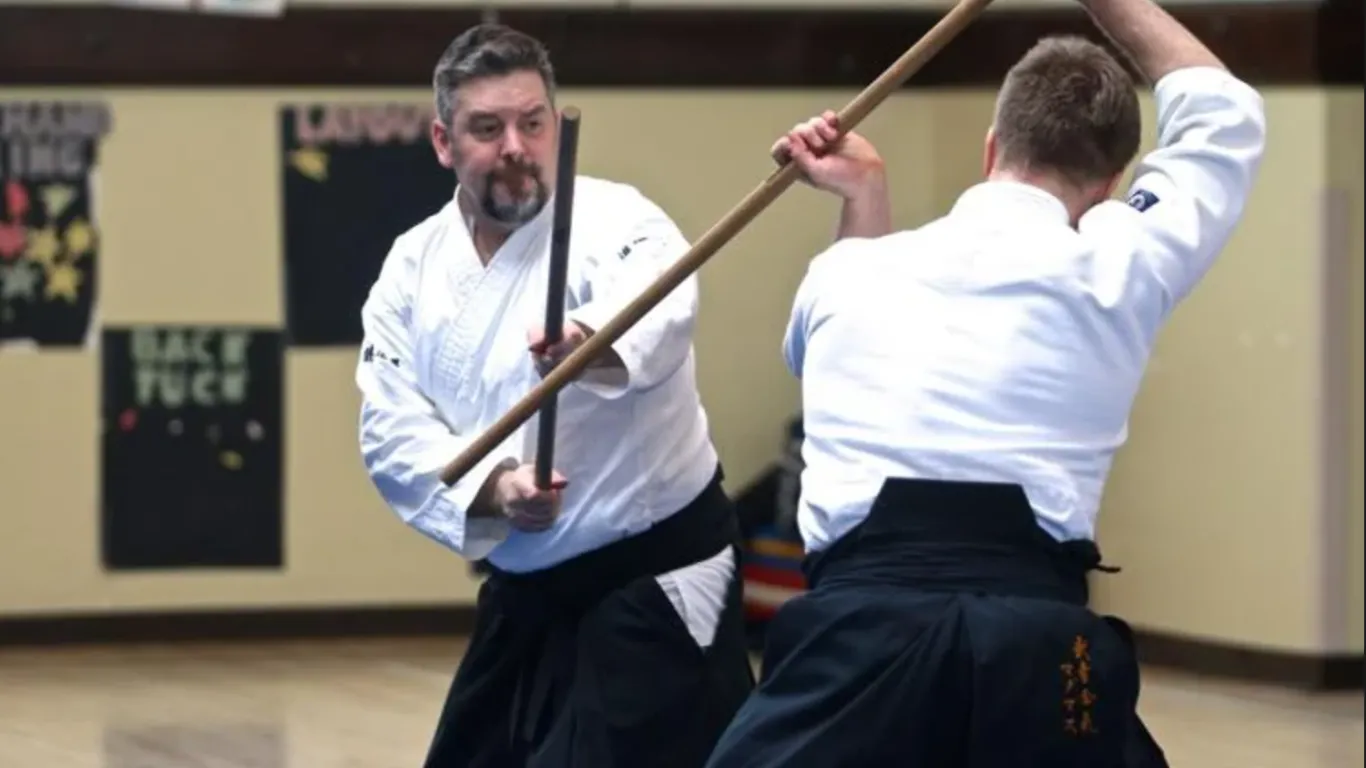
x: 1224, y: 509
x: 1347, y: 155
x: 1215, y: 510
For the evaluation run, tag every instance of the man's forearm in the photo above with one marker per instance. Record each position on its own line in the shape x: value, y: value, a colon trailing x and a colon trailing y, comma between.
x: 867, y: 213
x: 1156, y: 43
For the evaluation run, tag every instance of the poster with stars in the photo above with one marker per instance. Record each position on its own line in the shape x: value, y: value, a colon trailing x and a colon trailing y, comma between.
x: 192, y: 450
x: 49, y: 236
x: 355, y: 177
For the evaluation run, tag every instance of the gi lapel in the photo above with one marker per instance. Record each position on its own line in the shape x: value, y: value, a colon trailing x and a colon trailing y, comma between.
x: 479, y: 299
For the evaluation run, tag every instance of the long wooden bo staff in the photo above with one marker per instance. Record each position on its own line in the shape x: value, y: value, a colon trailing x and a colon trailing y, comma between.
x: 954, y: 22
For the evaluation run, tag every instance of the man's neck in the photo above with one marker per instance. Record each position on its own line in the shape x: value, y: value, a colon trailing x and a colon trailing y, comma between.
x: 487, y: 235
x: 488, y: 239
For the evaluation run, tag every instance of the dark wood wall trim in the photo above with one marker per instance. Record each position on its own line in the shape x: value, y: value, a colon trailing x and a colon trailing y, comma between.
x: 1267, y: 43
x: 1310, y: 672
x: 1306, y: 671
x: 235, y: 625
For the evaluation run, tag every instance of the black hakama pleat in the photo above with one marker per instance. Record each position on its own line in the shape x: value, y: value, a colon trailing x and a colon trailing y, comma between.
x: 945, y: 631
x: 588, y: 664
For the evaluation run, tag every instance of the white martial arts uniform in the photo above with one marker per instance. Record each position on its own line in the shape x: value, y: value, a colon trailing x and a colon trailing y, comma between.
x: 445, y: 355
x: 961, y: 382
x: 999, y: 344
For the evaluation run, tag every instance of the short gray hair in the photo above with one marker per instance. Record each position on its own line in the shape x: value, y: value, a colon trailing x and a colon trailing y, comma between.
x: 487, y: 50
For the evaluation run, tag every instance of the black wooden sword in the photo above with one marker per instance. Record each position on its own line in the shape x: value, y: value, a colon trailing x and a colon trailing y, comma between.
x: 565, y: 171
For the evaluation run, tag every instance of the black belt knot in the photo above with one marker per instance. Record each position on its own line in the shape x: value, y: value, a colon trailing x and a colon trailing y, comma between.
x: 1086, y: 555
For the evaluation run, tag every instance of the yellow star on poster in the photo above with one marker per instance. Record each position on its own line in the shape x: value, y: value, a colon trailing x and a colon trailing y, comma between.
x: 312, y: 163
x: 63, y: 280
x: 231, y: 459
x: 43, y: 246
x: 80, y: 238
x: 56, y: 197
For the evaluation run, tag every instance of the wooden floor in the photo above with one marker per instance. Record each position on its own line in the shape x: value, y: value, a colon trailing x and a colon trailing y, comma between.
x: 372, y: 705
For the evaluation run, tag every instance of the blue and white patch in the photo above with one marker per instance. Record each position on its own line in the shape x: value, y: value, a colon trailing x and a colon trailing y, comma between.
x: 1142, y: 200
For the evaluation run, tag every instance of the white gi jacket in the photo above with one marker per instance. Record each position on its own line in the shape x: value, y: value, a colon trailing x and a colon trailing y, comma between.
x: 1000, y: 344
x: 445, y: 355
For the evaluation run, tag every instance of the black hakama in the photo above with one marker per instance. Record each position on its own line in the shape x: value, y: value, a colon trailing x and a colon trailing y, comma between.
x: 587, y: 664
x: 945, y: 631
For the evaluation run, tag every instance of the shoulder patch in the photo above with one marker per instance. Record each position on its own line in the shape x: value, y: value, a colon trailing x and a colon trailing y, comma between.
x: 1142, y: 200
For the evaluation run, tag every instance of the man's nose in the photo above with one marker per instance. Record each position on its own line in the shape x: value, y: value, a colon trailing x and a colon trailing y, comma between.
x: 513, y: 145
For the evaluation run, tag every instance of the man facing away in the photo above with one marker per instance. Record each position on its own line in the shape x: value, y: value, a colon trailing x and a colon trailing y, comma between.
x: 965, y: 386
x: 609, y: 631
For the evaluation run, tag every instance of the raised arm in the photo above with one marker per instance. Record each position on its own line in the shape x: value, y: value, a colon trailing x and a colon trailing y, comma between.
x: 1156, y: 43
x: 1188, y: 195
x: 403, y: 440
x: 849, y: 168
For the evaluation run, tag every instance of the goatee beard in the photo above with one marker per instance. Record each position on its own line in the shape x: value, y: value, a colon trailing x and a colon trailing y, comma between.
x: 519, y: 211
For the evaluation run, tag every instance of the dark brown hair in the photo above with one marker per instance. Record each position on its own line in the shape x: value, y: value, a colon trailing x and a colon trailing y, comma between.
x: 487, y: 50
x: 1068, y: 108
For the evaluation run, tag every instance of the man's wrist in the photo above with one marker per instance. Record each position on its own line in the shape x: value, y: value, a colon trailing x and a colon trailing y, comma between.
x: 489, y: 502
x: 872, y: 185
x: 608, y: 358
x: 866, y: 209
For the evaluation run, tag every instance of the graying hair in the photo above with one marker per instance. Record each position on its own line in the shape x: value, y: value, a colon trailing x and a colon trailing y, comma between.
x: 487, y: 50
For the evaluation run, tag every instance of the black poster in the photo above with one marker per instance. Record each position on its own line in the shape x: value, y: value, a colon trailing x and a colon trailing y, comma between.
x: 355, y: 177
x: 192, y: 447
x: 49, y: 238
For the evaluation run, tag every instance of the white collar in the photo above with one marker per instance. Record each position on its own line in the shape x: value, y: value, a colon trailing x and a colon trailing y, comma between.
x: 1010, y: 198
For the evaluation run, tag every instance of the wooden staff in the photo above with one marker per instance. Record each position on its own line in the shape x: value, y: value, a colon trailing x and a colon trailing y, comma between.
x: 910, y: 62
x: 566, y: 170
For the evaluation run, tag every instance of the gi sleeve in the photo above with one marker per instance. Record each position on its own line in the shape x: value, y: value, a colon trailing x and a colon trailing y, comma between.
x: 839, y: 259
x: 794, y: 338
x: 1188, y: 194
x: 654, y: 348
x: 403, y: 440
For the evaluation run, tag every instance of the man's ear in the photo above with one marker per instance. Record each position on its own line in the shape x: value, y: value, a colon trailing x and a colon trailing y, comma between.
x: 989, y: 152
x: 441, y: 143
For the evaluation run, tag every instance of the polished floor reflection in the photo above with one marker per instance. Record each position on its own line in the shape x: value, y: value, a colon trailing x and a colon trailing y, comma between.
x: 372, y: 704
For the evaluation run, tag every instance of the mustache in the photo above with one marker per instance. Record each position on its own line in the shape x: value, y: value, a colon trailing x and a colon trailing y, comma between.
x: 515, y: 171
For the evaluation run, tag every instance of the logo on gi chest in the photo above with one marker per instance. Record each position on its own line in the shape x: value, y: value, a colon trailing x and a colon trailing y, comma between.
x: 626, y: 249
x: 371, y: 353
